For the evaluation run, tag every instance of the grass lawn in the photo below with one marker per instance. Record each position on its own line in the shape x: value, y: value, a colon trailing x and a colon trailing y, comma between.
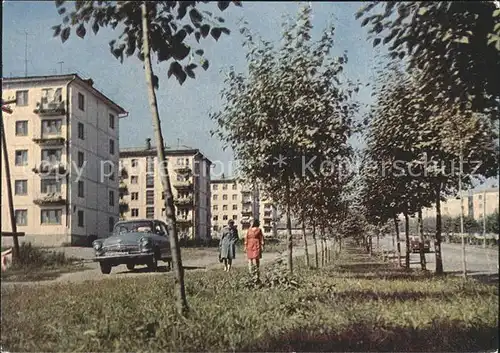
x: 358, y: 304
x: 40, y: 264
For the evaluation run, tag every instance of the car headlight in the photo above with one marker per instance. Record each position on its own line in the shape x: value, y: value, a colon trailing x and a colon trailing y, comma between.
x: 97, y: 245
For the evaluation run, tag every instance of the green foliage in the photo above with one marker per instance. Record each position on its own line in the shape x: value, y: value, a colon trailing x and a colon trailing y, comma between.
x: 32, y: 257
x: 492, y: 223
x: 172, y: 23
x: 454, y: 45
x: 358, y: 305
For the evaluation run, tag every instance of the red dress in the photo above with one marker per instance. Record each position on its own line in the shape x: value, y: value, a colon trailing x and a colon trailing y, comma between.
x: 253, y: 243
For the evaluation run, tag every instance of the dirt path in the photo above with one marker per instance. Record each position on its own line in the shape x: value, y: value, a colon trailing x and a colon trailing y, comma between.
x: 201, y: 259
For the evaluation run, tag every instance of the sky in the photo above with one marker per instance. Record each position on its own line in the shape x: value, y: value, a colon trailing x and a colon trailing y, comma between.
x: 184, y: 110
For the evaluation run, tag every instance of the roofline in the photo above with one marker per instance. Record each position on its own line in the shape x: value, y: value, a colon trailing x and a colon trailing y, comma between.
x: 141, y: 152
x: 67, y: 77
x: 228, y: 180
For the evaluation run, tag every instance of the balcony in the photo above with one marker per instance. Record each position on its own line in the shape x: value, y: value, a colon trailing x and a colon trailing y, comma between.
x: 268, y: 215
x: 123, y: 206
x: 123, y: 187
x: 50, y: 141
x: 246, y: 220
x: 184, y: 222
x: 54, y: 199
x: 246, y: 201
x: 53, y: 108
x: 184, y: 202
x: 123, y: 173
x: 183, y: 185
x: 49, y: 168
x: 246, y: 212
x: 182, y: 168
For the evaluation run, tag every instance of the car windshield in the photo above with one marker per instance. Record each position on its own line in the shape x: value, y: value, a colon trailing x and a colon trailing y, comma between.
x: 127, y: 227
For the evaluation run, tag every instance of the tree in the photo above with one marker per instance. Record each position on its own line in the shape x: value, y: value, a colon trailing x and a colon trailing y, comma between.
x: 455, y: 44
x: 289, y: 114
x: 150, y: 28
x: 492, y: 222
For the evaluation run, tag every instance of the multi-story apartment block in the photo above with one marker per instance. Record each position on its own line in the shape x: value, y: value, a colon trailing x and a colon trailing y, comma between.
x: 475, y: 204
x: 63, y: 145
x: 234, y: 200
x: 141, y: 191
x: 268, y: 216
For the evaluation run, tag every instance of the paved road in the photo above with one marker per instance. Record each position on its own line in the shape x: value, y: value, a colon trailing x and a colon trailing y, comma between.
x: 479, y: 260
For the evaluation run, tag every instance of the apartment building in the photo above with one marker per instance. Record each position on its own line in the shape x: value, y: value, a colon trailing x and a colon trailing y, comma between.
x: 141, y: 191
x: 234, y: 200
x: 63, y: 143
x: 268, y: 215
x: 475, y: 204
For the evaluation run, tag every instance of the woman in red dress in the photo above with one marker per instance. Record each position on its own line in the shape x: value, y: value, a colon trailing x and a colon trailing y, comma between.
x: 254, y: 244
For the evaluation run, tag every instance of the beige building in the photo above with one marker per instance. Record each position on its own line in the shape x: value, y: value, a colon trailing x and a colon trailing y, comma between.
x: 268, y: 216
x: 63, y: 144
x: 233, y: 200
x: 141, y: 193
x: 475, y: 204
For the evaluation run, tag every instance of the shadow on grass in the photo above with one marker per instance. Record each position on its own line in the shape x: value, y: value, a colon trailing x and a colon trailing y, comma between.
x: 145, y: 269
x: 486, y: 278
x: 438, y: 337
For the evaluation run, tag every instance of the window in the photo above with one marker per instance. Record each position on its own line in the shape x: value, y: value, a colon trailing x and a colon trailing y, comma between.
x: 21, y: 187
x: 81, y: 190
x: 21, y: 157
x: 150, y: 180
x: 216, y: 218
x: 21, y: 217
x: 480, y: 215
x: 234, y: 197
x: 50, y: 186
x: 163, y: 213
x: 111, y: 147
x: 163, y: 195
x: 81, y: 158
x: 150, y: 197
x: 235, y: 207
x: 111, y: 121
x: 81, y: 102
x: 133, y: 179
x: 150, y: 165
x: 134, y: 163
x: 22, y: 98
x: 480, y: 197
x: 51, y: 216
x: 135, y: 212
x: 224, y: 186
x: 224, y: 207
x: 111, y: 196
x: 81, y: 132
x: 52, y: 155
x: 224, y: 197
x: 235, y: 217
x: 134, y: 196
x: 234, y: 186
x: 111, y: 223
x: 52, y: 126
x: 224, y: 218
x: 215, y: 207
x: 80, y: 218
x: 215, y: 197
x: 22, y: 128
x: 215, y: 187
x: 150, y: 212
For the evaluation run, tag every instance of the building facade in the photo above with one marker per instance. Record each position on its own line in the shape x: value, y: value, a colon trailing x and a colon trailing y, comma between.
x: 141, y: 191
x: 234, y: 200
x: 63, y: 143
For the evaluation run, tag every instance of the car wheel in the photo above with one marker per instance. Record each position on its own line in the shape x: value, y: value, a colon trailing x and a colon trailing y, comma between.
x: 130, y: 267
x: 105, y: 268
x: 153, y: 263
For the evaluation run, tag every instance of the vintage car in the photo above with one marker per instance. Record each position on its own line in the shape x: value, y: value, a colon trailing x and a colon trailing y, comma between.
x: 415, y: 245
x: 137, y: 242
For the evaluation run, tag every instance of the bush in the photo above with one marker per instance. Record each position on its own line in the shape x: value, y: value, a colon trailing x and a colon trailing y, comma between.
x: 32, y: 257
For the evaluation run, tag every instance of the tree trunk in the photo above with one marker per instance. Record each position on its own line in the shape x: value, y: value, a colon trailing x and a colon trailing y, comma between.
x: 322, y: 245
x: 370, y: 244
x: 398, y: 243
x: 437, y: 244
x: 407, y: 238
x: 15, y: 239
x: 304, y: 237
x: 378, y: 241
x: 289, y: 230
x: 420, y: 231
x: 179, y: 289
x: 316, y: 255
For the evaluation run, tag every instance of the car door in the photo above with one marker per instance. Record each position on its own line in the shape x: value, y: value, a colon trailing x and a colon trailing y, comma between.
x: 162, y: 239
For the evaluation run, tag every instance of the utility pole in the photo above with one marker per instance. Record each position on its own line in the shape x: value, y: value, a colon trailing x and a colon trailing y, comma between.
x: 9, y: 184
x: 464, y: 262
x: 484, y: 218
x: 26, y: 55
